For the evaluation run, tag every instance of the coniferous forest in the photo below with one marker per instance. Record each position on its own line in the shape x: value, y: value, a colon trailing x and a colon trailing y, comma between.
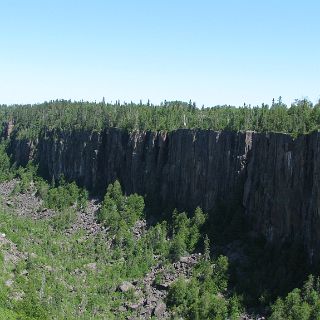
x: 299, y: 118
x: 159, y: 160
x: 68, y: 254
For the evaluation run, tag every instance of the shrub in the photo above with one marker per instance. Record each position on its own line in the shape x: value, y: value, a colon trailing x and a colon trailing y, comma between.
x: 118, y: 210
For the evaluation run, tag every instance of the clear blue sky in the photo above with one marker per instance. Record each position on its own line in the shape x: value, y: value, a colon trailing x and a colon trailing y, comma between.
x: 213, y: 52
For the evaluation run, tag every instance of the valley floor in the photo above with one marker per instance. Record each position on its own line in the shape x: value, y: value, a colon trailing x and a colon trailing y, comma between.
x: 62, y: 265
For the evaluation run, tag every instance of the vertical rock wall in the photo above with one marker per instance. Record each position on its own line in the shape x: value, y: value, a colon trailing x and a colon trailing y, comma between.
x: 182, y: 169
x: 281, y: 194
x: 277, y: 177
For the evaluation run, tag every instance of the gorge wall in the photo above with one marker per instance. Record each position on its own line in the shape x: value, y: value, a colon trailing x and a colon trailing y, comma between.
x: 275, y: 176
x: 182, y: 169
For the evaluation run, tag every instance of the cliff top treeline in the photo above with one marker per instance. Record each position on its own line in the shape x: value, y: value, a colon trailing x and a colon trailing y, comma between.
x: 301, y: 117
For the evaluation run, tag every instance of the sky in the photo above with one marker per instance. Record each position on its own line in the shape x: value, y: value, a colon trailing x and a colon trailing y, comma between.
x: 212, y: 52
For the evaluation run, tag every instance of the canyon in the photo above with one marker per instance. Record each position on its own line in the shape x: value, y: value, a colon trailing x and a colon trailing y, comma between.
x: 273, y: 177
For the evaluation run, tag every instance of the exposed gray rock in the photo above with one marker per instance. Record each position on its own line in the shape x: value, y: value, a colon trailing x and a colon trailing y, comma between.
x: 9, y: 203
x: 282, y: 189
x: 23, y: 204
x: 276, y: 177
x: 122, y: 309
x: 183, y: 169
x: 91, y: 266
x: 8, y: 282
x: 126, y: 286
x: 160, y: 309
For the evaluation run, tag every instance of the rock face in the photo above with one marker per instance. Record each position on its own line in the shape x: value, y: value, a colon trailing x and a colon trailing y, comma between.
x: 281, y: 193
x: 182, y: 169
x: 126, y: 286
x: 274, y: 176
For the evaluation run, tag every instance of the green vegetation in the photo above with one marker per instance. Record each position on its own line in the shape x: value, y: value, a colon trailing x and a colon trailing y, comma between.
x: 5, y: 166
x: 49, y: 272
x: 185, y: 232
x: 261, y: 271
x: 301, y: 117
x: 119, y: 212
x: 65, y: 195
x: 299, y: 304
x: 204, y: 295
x: 58, y: 196
x: 56, y: 276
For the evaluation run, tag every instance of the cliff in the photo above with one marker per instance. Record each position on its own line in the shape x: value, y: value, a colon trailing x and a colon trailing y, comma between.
x: 275, y: 176
x: 181, y: 169
x: 281, y: 193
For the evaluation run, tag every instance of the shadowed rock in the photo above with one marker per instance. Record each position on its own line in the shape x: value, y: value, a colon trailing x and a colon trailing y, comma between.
x: 275, y: 177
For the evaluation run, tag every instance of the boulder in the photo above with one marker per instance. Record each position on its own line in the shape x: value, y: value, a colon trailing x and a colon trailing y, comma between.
x: 126, y: 286
x: 160, y: 309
